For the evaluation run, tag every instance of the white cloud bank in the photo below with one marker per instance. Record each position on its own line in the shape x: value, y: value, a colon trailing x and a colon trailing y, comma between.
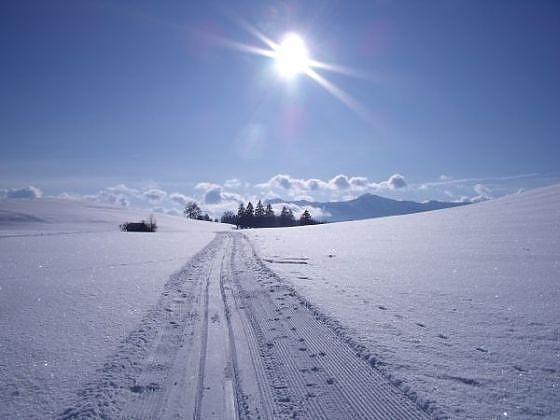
x: 337, y: 184
x: 30, y: 192
x: 215, y: 198
x: 155, y: 194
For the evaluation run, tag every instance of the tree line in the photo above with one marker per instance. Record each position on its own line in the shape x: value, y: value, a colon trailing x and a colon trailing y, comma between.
x: 258, y: 216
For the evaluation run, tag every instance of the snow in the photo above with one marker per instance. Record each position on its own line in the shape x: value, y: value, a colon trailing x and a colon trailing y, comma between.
x: 459, y: 307
x: 72, y: 286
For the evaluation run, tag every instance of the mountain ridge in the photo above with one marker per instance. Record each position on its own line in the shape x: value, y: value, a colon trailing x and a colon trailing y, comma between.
x: 368, y: 206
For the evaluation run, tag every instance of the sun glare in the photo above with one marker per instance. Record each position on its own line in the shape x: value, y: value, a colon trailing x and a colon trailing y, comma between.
x: 291, y: 56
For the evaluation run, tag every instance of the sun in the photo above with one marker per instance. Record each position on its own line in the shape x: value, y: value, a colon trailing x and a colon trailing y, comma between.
x: 291, y: 56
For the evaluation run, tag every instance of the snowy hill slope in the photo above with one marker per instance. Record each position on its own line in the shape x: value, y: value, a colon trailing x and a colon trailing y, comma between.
x: 368, y: 206
x: 460, y: 307
x: 71, y: 287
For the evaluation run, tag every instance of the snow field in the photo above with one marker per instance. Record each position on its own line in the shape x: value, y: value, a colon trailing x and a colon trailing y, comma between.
x: 72, y: 286
x: 459, y: 307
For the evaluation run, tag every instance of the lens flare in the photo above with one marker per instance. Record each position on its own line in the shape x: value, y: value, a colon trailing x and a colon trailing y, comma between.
x: 291, y: 56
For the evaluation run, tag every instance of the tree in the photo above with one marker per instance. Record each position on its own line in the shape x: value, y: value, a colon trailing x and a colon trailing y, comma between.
x: 269, y: 216
x: 287, y: 217
x: 249, y: 215
x: 192, y: 211
x: 229, y: 217
x: 306, y: 218
x: 240, y: 216
x: 259, y: 214
x: 152, y: 223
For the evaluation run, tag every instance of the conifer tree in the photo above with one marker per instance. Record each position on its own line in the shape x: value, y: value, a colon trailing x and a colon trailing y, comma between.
x: 305, y: 218
x: 229, y: 217
x: 269, y: 216
x: 291, y: 218
x: 249, y: 215
x: 241, y: 216
x: 259, y: 215
x: 287, y: 217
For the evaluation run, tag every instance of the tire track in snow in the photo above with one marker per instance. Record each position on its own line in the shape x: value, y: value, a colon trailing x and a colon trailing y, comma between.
x: 216, y: 393
x: 145, y: 375
x: 314, y: 374
x: 227, y: 340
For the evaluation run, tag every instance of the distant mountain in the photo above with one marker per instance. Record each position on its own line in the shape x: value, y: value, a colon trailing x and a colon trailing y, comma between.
x: 368, y: 206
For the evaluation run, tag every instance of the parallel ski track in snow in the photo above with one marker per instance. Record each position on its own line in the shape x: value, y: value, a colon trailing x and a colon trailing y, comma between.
x: 230, y: 340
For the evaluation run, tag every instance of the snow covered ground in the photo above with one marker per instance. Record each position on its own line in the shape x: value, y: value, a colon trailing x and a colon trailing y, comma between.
x: 459, y: 307
x: 72, y: 286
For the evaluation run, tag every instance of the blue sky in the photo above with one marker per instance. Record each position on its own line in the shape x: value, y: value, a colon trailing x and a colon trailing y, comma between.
x: 101, y: 93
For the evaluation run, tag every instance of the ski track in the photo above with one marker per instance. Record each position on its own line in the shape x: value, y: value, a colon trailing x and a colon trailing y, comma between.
x: 229, y: 339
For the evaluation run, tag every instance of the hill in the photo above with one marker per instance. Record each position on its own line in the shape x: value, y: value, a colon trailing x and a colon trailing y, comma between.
x: 368, y: 206
x: 458, y: 306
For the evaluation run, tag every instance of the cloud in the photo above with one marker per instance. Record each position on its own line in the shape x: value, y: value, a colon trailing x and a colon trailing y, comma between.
x: 278, y: 181
x: 340, y: 187
x: 359, y: 182
x: 452, y: 181
x: 109, y: 197
x: 293, y: 185
x: 215, y: 200
x: 483, y: 193
x: 395, y: 182
x: 68, y: 196
x: 205, y: 186
x: 154, y: 194
x: 314, y: 184
x: 213, y: 195
x: 340, y: 182
x: 30, y: 192
x: 233, y: 183
x: 228, y: 196
x: 118, y: 195
x: 180, y: 199
x: 122, y: 190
